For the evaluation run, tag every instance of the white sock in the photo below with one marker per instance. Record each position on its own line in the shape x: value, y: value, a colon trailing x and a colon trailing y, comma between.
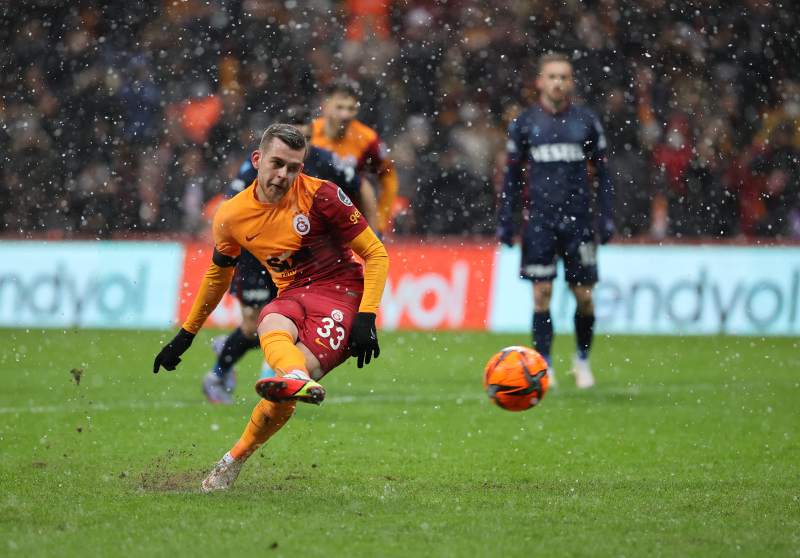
x: 227, y: 458
x: 298, y: 375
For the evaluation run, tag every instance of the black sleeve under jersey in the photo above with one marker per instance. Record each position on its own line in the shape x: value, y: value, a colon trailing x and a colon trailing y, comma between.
x: 221, y: 260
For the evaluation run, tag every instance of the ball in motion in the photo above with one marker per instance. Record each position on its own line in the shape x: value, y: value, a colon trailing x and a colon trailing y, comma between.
x: 516, y: 378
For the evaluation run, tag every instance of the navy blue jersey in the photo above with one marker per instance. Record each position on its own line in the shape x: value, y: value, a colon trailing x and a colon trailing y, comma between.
x: 556, y: 148
x: 320, y: 163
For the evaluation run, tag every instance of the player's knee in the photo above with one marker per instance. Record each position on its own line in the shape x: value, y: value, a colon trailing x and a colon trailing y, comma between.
x: 274, y: 321
x: 583, y: 298
x: 542, y: 293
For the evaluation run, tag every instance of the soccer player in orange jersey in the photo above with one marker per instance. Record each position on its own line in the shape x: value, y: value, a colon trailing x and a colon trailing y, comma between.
x: 359, y: 146
x: 305, y: 231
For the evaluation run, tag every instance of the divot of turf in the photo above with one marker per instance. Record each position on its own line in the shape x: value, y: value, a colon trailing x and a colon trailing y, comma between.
x: 168, y: 473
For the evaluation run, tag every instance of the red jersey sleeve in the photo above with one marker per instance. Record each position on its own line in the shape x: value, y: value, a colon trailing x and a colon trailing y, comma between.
x: 337, y: 210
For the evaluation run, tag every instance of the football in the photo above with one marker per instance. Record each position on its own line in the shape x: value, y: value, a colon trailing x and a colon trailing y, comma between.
x: 516, y: 378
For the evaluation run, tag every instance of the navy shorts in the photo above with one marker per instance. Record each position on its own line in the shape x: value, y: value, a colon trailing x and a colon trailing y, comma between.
x: 252, y: 283
x: 571, y: 239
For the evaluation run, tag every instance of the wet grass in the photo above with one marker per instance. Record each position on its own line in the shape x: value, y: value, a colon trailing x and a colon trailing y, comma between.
x: 685, y: 447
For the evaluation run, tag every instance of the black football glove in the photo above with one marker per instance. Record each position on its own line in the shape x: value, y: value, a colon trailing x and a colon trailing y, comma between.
x: 364, y: 338
x: 605, y: 228
x: 170, y: 355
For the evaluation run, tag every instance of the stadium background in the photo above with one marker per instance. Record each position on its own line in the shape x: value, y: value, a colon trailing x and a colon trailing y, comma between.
x: 122, y: 124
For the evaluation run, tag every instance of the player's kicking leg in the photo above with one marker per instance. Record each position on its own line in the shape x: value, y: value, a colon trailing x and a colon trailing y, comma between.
x: 292, y: 361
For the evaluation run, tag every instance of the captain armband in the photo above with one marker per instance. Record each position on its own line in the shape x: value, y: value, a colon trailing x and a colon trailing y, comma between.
x: 221, y: 260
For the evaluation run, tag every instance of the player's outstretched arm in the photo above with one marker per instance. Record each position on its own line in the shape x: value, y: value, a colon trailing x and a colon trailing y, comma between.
x: 364, y: 335
x: 215, y: 283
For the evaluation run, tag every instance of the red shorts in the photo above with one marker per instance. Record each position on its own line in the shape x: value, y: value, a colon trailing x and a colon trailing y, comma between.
x: 324, y: 317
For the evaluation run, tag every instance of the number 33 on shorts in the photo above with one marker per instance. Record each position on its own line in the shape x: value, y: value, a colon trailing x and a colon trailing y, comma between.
x: 331, y: 331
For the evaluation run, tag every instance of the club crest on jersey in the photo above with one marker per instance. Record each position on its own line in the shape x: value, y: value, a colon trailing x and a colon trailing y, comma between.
x: 337, y: 315
x: 301, y: 225
x: 343, y: 198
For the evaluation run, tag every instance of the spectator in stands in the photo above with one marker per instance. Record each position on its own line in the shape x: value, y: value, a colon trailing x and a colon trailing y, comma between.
x: 779, y: 166
x: 94, y: 82
x: 454, y: 201
x: 670, y: 162
x: 628, y: 162
x: 712, y: 208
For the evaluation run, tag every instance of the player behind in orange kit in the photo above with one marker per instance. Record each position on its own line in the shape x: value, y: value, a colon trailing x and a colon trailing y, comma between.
x: 305, y: 231
x: 358, y: 146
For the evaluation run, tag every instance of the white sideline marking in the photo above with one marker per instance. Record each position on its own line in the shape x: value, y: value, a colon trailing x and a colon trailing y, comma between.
x: 374, y: 398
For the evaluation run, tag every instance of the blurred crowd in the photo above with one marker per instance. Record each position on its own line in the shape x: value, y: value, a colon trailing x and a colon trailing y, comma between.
x: 127, y: 118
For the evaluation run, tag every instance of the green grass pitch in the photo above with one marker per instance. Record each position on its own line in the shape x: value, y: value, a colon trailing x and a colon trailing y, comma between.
x: 686, y: 447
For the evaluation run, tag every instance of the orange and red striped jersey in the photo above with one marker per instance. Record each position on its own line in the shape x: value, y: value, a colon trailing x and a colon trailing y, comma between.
x: 300, y: 239
x: 362, y: 150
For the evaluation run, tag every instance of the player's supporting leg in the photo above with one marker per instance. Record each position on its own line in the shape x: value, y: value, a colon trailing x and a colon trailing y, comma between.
x: 543, y: 325
x: 278, y: 341
x: 267, y: 418
x: 584, y: 333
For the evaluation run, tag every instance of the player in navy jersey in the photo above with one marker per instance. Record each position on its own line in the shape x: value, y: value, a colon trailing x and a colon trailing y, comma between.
x: 252, y: 283
x: 563, y: 147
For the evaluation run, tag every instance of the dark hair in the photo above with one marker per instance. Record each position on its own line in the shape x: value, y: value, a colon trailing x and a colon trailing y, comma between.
x: 296, y: 115
x: 288, y: 134
x: 552, y: 57
x: 343, y: 86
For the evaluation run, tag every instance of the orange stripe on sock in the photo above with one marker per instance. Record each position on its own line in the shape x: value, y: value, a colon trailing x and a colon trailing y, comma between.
x: 267, y: 418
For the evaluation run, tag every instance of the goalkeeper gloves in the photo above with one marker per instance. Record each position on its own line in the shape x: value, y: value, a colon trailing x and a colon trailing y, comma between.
x: 364, y: 338
x: 170, y: 355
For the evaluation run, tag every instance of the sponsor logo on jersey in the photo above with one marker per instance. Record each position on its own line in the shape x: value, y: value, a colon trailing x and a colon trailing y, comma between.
x: 343, y: 198
x: 557, y: 153
x: 250, y: 238
x: 337, y: 315
x: 301, y: 225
